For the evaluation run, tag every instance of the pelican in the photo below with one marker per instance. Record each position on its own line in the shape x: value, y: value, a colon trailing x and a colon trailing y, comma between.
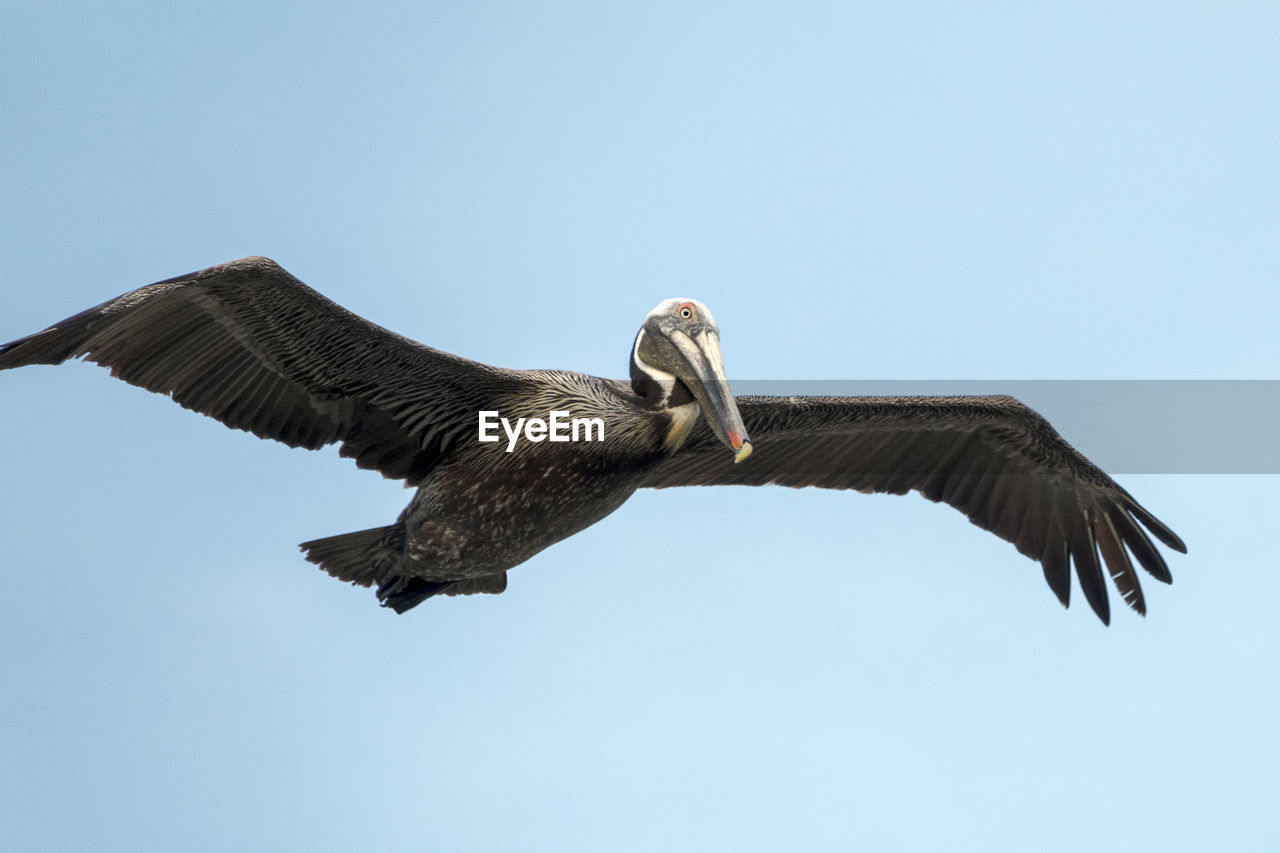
x: 248, y: 344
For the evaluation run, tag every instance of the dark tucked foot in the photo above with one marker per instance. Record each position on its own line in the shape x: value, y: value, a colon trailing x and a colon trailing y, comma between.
x: 403, y: 592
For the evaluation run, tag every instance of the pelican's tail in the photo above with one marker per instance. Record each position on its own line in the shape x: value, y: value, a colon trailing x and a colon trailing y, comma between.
x: 376, y: 556
x: 365, y: 557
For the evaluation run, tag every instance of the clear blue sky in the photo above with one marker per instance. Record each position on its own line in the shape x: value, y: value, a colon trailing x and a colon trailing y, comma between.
x: 887, y: 191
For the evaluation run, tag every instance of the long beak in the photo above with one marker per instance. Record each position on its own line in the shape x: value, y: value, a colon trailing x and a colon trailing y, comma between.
x: 704, y: 375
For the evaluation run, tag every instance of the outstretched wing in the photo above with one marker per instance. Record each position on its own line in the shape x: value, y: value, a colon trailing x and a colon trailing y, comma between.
x: 252, y: 346
x: 992, y: 458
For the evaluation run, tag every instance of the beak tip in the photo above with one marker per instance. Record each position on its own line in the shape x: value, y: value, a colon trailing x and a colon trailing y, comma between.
x: 743, y: 452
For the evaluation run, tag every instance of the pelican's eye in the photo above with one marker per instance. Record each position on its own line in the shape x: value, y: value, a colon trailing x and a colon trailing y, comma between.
x: 686, y: 311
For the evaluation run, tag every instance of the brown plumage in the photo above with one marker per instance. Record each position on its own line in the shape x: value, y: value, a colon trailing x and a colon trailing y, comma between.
x: 250, y: 345
x: 992, y: 458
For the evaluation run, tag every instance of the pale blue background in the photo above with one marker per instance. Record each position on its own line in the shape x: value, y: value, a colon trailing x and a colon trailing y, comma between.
x: 888, y: 191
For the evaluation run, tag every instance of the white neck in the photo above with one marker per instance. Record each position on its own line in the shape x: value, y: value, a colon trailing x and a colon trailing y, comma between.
x: 666, y: 381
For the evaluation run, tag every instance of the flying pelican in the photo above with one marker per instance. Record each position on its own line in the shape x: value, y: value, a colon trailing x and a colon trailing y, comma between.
x: 248, y: 344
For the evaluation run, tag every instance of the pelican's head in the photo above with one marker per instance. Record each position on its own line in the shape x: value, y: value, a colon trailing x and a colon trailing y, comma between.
x: 676, y: 360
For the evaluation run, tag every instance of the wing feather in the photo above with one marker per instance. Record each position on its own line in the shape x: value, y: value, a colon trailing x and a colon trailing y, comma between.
x: 1056, y: 558
x: 1137, y: 541
x: 1084, y: 551
x: 1118, y: 563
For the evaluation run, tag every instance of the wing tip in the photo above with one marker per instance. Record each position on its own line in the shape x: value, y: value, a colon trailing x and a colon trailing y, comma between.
x: 1155, y: 525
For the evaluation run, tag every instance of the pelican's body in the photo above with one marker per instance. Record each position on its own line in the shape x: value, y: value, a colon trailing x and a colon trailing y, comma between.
x: 251, y: 346
x: 488, y: 510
